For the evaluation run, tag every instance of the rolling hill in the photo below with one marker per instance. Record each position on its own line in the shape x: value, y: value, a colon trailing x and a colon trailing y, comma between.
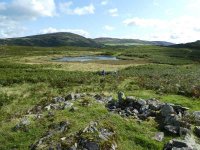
x: 116, y: 41
x: 51, y: 40
x: 193, y: 45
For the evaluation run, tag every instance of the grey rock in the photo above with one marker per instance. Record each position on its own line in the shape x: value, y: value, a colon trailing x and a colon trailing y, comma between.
x: 197, y: 115
x: 183, y: 131
x: 130, y: 98
x: 67, y: 105
x: 172, y: 119
x: 167, y: 110
x: 197, y: 130
x: 159, y: 136
x: 91, y: 146
x: 121, y: 96
x: 172, y: 129
x: 70, y: 97
x: 141, y: 102
x: 58, y: 99
x: 154, y: 104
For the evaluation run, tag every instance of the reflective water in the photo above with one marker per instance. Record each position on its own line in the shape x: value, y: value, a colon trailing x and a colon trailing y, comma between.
x: 85, y: 58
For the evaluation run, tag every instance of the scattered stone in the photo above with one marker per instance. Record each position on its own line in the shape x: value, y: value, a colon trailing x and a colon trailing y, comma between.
x: 167, y: 110
x: 22, y: 125
x: 188, y: 143
x: 159, y: 136
x: 73, y: 109
x: 70, y: 97
x: 121, y: 96
x: 183, y: 131
x: 172, y: 129
x: 90, y: 145
x: 197, y: 130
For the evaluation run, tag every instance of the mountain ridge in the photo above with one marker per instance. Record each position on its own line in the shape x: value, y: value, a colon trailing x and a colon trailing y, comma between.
x: 71, y: 39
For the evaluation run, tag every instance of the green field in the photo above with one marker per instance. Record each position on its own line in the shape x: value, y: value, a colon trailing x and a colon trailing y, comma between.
x: 29, y: 77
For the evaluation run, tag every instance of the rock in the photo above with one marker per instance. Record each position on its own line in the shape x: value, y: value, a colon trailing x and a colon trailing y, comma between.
x: 105, y: 134
x: 58, y: 147
x: 63, y: 126
x: 183, y: 131
x: 73, y: 109
x: 144, y: 108
x: 63, y: 138
x: 187, y: 144
x: 70, y: 97
x: 121, y: 96
x: 130, y: 98
x: 172, y: 120
x: 179, y: 109
x: 167, y: 110
x: 89, y: 145
x: 67, y: 105
x: 154, y: 104
x: 22, y: 125
x: 58, y: 99
x: 77, y: 96
x: 48, y: 107
x: 176, y: 144
x: 172, y: 129
x: 142, y: 102
x: 159, y: 136
x: 196, y: 115
x: 197, y: 130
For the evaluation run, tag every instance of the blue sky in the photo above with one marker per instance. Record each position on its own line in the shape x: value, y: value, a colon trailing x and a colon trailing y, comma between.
x: 170, y: 20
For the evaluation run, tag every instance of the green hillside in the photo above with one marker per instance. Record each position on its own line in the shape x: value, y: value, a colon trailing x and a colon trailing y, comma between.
x: 116, y: 41
x: 51, y: 40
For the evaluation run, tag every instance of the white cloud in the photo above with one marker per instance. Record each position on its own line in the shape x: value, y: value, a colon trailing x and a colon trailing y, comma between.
x: 76, y: 31
x: 113, y: 12
x: 10, y: 28
x: 104, y: 2
x: 182, y: 29
x: 28, y: 9
x: 109, y: 28
x: 66, y: 8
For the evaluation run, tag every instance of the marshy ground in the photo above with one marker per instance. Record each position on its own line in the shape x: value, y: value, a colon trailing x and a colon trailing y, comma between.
x: 29, y: 78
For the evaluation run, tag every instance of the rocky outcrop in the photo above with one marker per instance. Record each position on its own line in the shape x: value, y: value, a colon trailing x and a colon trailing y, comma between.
x: 174, y: 119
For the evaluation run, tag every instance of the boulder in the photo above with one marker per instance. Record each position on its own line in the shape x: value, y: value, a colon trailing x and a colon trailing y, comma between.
x: 70, y: 97
x: 167, y: 110
x: 172, y: 129
x: 90, y: 145
x: 121, y: 96
x: 197, y: 115
x: 58, y: 99
x: 154, y: 104
x: 197, y: 130
x: 159, y: 136
x: 183, y: 131
x: 188, y: 143
x: 172, y: 119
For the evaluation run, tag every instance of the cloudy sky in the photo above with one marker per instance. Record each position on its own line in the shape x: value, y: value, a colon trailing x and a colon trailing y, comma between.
x: 170, y: 20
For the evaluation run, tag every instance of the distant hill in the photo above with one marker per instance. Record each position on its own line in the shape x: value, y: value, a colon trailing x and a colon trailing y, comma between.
x: 194, y: 45
x: 51, y: 40
x: 116, y: 41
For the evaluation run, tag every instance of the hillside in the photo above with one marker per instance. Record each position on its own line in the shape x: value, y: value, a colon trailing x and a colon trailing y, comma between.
x: 194, y: 45
x: 51, y: 40
x: 116, y: 41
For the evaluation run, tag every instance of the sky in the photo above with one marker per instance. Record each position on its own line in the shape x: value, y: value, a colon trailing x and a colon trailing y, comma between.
x: 175, y: 21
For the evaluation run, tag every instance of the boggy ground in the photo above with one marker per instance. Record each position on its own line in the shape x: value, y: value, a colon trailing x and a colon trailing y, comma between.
x: 28, y: 78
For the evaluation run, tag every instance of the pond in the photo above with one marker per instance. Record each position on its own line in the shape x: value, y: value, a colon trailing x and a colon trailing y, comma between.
x: 85, y: 58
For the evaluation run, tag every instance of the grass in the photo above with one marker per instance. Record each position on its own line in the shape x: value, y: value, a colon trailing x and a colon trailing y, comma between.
x: 28, y: 78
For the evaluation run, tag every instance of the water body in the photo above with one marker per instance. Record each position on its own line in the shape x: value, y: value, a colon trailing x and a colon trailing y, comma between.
x: 85, y: 58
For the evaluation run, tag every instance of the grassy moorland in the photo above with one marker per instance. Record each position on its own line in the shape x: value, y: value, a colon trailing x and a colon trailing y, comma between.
x: 30, y: 77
